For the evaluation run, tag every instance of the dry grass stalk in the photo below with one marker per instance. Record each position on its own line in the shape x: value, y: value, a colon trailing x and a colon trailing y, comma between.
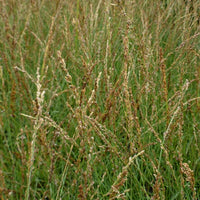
x: 189, y: 175
x: 110, y: 100
x: 50, y: 38
x: 51, y: 123
x: 164, y: 83
x: 81, y: 195
x: 129, y: 114
x: 135, y: 117
x: 121, y: 178
x: 96, y: 14
x: 92, y: 98
x: 176, y: 110
x: 102, y: 134
x: 108, y: 39
x: 37, y: 124
x: 156, y: 187
x: 68, y: 77
x: 102, y: 180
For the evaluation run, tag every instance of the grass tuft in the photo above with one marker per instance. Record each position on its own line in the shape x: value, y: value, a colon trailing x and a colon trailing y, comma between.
x: 99, y: 99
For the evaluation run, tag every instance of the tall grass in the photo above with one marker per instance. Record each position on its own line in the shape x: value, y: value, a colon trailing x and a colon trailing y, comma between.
x: 99, y: 99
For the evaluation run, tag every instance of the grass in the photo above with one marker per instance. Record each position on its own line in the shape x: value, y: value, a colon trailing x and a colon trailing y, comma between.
x: 99, y: 99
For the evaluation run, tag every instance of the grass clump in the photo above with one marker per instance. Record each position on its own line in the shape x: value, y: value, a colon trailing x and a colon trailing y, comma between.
x: 99, y: 99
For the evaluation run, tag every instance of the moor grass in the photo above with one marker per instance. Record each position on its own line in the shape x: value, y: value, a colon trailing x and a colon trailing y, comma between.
x: 99, y: 99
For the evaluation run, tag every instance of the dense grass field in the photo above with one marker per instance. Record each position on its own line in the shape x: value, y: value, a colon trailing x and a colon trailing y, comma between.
x: 99, y: 99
